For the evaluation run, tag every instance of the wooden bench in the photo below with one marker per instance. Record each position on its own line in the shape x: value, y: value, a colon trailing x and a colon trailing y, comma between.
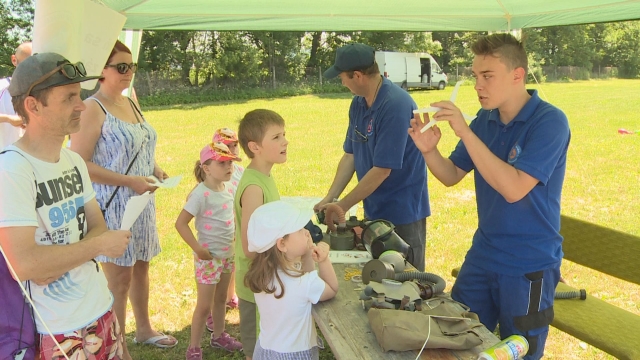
x: 596, y: 322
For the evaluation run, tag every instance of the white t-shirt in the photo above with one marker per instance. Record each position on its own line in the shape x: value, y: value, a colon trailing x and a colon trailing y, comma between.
x: 236, y: 176
x: 53, y: 202
x: 286, y: 324
x: 215, y: 221
x: 8, y: 133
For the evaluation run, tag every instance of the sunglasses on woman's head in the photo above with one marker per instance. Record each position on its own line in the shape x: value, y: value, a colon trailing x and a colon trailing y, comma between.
x: 71, y: 71
x: 123, y: 67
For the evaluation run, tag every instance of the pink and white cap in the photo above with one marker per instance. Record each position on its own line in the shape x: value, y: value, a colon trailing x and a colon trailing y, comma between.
x: 216, y: 151
x: 225, y: 135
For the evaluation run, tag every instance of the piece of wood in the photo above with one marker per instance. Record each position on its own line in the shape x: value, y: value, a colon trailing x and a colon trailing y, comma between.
x: 345, y: 326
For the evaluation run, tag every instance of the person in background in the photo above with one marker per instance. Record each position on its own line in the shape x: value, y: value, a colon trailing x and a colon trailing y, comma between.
x: 110, y: 122
x: 11, y: 125
x: 517, y: 148
x: 230, y: 139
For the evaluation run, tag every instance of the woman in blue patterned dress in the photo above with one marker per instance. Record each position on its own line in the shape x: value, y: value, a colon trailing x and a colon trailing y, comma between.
x: 114, y: 137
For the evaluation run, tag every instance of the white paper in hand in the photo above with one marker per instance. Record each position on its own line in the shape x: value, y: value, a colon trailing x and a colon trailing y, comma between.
x: 167, y: 183
x: 134, y: 208
x: 432, y: 122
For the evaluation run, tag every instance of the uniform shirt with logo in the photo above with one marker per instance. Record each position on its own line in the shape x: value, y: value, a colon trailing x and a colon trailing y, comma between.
x: 53, y: 202
x: 214, y: 218
x: 521, y: 237
x: 8, y: 133
x: 382, y: 140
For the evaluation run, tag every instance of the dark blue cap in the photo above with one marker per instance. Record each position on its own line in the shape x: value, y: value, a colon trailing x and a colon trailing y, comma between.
x: 351, y: 57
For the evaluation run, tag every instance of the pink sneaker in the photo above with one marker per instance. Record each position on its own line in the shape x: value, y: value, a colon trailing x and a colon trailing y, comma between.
x: 210, y: 323
x: 226, y: 342
x: 194, y: 353
x: 233, y: 303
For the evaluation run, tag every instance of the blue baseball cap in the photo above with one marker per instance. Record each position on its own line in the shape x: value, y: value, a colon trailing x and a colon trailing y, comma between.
x: 350, y: 58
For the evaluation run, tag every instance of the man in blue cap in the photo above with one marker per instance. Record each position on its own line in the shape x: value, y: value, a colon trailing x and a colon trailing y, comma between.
x: 392, y: 177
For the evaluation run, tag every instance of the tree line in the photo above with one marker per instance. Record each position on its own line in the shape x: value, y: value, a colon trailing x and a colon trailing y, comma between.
x: 249, y: 59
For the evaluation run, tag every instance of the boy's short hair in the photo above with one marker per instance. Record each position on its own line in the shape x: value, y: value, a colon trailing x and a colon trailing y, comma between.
x: 253, y: 127
x: 505, y: 46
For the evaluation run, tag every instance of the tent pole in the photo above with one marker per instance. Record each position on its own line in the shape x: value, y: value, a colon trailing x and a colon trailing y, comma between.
x: 133, y: 39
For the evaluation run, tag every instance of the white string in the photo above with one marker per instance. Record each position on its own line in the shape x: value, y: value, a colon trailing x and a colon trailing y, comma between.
x: 428, y: 335
x: 33, y: 306
x: 429, y: 332
x: 544, y: 96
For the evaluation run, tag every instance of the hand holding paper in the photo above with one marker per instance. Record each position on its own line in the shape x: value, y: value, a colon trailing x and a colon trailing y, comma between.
x: 116, y: 242
x: 133, y: 209
x: 432, y: 122
x: 167, y: 183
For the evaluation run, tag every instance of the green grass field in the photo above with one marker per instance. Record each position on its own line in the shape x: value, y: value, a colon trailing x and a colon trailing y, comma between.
x: 601, y: 186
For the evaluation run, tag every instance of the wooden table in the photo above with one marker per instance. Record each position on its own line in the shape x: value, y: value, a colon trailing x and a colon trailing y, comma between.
x: 345, y: 326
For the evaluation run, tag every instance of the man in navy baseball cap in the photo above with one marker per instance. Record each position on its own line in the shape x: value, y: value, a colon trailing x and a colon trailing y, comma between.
x: 392, y: 176
x: 351, y: 57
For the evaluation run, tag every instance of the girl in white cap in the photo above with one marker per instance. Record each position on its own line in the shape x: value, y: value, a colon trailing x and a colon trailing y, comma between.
x: 285, y: 281
x: 211, y: 203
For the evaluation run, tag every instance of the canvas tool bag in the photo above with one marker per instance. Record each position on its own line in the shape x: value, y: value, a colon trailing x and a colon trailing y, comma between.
x: 452, y: 327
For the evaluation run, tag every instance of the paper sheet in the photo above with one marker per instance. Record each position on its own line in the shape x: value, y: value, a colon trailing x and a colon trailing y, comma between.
x: 429, y: 109
x: 133, y: 209
x: 168, y: 183
x: 349, y: 257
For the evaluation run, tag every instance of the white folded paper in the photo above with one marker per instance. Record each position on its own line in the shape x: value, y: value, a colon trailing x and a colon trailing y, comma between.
x: 167, y: 183
x: 429, y: 109
x: 133, y: 209
x: 349, y: 256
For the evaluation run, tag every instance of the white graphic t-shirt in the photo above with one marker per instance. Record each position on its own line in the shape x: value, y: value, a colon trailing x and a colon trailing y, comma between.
x: 53, y: 202
x: 8, y: 133
x: 215, y: 221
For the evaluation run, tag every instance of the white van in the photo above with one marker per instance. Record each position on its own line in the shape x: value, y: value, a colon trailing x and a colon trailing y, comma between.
x: 411, y: 70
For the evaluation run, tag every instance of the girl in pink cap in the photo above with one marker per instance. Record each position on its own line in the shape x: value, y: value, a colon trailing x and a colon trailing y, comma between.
x: 229, y: 138
x: 211, y: 203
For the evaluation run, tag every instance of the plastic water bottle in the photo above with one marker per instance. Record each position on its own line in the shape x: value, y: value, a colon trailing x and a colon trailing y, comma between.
x: 512, y: 348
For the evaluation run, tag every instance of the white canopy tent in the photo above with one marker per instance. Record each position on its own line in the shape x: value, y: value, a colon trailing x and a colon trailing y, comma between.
x: 338, y: 15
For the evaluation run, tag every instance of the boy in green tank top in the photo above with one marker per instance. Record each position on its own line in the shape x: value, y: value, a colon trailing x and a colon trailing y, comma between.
x: 262, y: 137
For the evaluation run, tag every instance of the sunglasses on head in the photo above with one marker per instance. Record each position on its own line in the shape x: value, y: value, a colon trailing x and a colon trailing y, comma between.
x: 71, y: 71
x: 123, y: 67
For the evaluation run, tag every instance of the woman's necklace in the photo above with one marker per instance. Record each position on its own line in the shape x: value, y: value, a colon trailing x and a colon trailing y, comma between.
x: 113, y: 102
